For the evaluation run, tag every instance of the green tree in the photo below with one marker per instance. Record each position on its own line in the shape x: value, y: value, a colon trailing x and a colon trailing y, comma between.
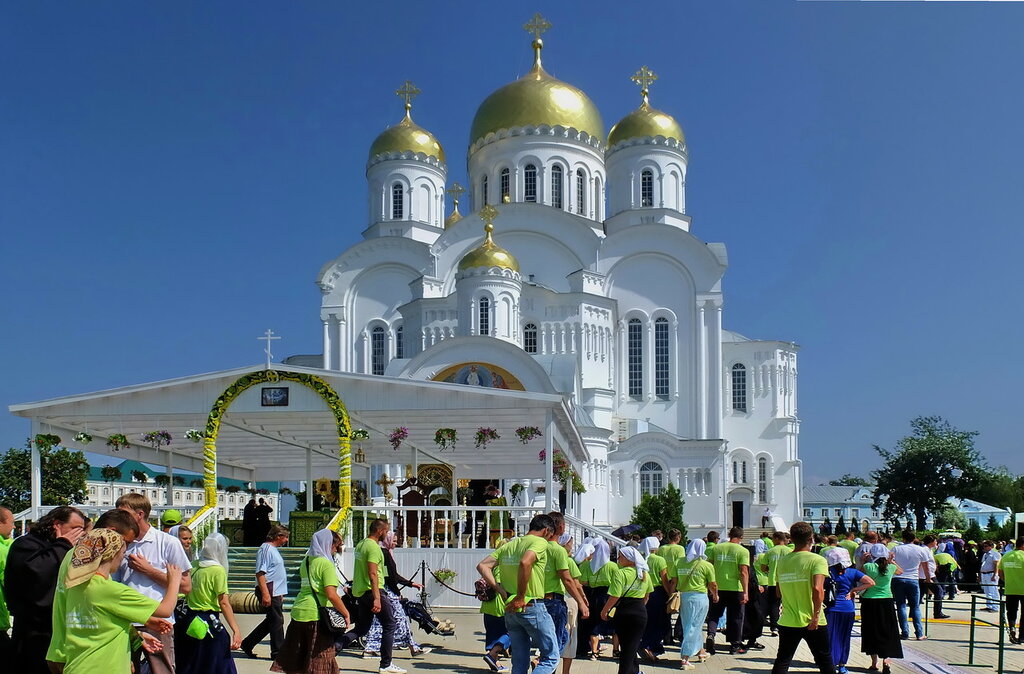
x: 161, y: 480
x: 848, y: 480
x: 663, y: 511
x: 1001, y: 488
x: 140, y: 476
x: 974, y: 532
x: 63, y: 471
x: 992, y: 527
x: 935, y: 462
x: 110, y: 474
x: 950, y: 517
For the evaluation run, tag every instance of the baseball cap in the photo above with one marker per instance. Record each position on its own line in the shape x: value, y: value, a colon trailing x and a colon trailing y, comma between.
x: 171, y: 517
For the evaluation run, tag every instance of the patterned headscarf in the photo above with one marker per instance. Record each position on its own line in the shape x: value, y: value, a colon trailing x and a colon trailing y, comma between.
x: 390, y: 540
x: 96, y: 547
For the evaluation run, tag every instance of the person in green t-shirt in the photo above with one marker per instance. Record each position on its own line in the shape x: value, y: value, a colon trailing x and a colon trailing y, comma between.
x: 849, y: 543
x: 732, y: 571
x: 768, y: 565
x: 1011, y: 570
x: 208, y: 602
x: 6, y: 527
x: 801, y: 581
x: 558, y: 582
x: 672, y: 550
x: 695, y: 580
x: 627, y: 593
x: 521, y: 584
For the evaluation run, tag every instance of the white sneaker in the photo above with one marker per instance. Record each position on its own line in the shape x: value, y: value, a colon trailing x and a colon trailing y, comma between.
x: 392, y: 669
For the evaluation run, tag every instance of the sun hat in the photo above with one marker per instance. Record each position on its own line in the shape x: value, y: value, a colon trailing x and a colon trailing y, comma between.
x: 838, y: 556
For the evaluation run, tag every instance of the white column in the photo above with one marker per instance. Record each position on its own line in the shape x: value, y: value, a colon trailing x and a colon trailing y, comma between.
x: 170, y: 478
x: 327, y: 344
x: 702, y: 372
x: 715, y: 342
x: 549, y: 458
x: 309, y: 479
x: 36, y: 481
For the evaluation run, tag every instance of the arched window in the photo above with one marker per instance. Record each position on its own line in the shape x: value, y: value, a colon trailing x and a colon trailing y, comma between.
x: 504, y: 184
x: 739, y: 387
x: 581, y: 192
x: 530, y: 338
x: 762, y: 480
x: 646, y: 188
x: 530, y: 183
x: 652, y: 478
x: 556, y: 186
x: 397, y: 202
x: 635, y: 357
x: 399, y: 342
x: 483, y: 190
x: 484, y: 313
x: 378, y: 352
x: 661, y: 358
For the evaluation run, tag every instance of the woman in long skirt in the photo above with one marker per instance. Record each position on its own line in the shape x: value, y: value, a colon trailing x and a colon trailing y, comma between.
x: 879, y: 625
x: 393, y: 584
x: 848, y: 583
x: 695, y: 581
x: 653, y: 643
x: 209, y: 650
x: 627, y: 594
x: 602, y: 569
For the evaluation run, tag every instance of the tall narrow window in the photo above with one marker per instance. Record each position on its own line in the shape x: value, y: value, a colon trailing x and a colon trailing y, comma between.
x: 556, y: 186
x: 646, y: 189
x: 735, y: 471
x: 397, y: 202
x: 652, y: 478
x: 762, y: 480
x: 530, y: 183
x: 743, y: 471
x: 485, y: 317
x: 739, y: 387
x: 504, y: 184
x: 399, y: 342
x: 581, y: 192
x: 483, y: 190
x: 378, y: 354
x: 635, y: 357
x: 661, y: 358
x: 530, y: 338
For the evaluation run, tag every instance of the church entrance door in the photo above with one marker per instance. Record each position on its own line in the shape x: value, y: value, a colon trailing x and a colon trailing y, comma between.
x: 737, y: 513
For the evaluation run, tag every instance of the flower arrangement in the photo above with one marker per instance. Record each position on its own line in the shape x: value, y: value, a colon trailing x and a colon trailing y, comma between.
x: 527, y: 433
x: 563, y: 472
x: 83, y: 438
x: 463, y: 494
x: 118, y: 441
x: 445, y: 438
x: 485, y: 435
x: 360, y: 434
x: 46, y: 440
x: 194, y: 435
x: 515, y: 490
x: 397, y: 436
x: 156, y: 438
x: 444, y: 575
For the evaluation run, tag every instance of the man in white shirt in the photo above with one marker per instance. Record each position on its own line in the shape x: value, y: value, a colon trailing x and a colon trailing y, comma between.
x: 906, y: 588
x: 989, y: 580
x: 144, y: 569
x: 271, y: 588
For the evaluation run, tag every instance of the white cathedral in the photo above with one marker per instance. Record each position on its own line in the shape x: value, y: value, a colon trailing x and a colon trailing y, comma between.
x: 576, y: 273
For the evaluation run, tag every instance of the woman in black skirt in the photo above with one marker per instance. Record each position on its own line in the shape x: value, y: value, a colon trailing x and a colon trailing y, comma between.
x: 879, y: 628
x: 627, y: 595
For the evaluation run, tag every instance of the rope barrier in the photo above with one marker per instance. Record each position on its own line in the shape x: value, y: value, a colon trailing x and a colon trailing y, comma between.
x: 444, y: 584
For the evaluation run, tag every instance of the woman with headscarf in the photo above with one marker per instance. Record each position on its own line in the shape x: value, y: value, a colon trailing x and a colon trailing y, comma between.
x: 572, y: 607
x: 652, y: 644
x: 848, y: 583
x: 201, y: 644
x: 695, y: 581
x: 627, y: 595
x: 308, y: 648
x: 585, y: 626
x: 393, y: 584
x: 102, y: 642
x: 879, y: 625
x: 602, y: 570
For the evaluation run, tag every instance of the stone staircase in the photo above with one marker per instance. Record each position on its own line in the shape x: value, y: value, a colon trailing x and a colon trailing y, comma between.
x: 242, y: 570
x: 750, y: 534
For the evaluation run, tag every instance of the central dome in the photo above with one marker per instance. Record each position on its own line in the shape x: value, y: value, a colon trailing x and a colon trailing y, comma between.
x: 537, y: 99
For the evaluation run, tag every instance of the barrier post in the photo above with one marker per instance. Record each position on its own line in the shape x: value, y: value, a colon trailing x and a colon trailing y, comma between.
x: 1002, y: 634
x: 927, y: 599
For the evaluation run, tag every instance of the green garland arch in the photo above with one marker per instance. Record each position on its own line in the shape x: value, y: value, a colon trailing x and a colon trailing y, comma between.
x: 329, y: 396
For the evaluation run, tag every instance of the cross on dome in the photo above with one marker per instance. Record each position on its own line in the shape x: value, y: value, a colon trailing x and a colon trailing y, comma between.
x: 456, y: 191
x: 537, y: 26
x: 644, y: 78
x: 488, y: 213
x: 408, y: 91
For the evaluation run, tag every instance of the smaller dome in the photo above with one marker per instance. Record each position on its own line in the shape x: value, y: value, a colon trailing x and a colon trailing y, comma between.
x: 407, y: 136
x: 489, y: 254
x: 645, y: 122
x: 454, y: 217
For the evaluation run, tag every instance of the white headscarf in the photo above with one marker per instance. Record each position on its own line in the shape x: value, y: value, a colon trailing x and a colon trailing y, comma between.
x: 602, y: 555
x: 321, y: 545
x: 215, y: 551
x: 564, y: 538
x: 649, y: 545
x: 583, y: 552
x: 696, y: 549
x: 633, y: 555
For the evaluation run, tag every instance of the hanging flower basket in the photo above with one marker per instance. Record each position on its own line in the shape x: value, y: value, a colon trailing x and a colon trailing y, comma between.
x: 563, y: 472
x: 194, y: 435
x: 485, y: 435
x: 83, y: 438
x: 515, y: 490
x: 445, y: 575
x: 397, y: 436
x: 445, y: 438
x: 527, y: 433
x: 360, y: 434
x: 156, y: 439
x: 46, y: 440
x: 118, y: 441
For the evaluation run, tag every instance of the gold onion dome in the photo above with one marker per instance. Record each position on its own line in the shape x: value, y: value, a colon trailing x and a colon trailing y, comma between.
x: 536, y: 99
x: 489, y: 254
x: 645, y: 121
x: 407, y: 135
x: 456, y: 191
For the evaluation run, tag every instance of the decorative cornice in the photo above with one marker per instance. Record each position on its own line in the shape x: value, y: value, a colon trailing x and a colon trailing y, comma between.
x: 559, y: 132
x: 407, y: 156
x: 670, y: 143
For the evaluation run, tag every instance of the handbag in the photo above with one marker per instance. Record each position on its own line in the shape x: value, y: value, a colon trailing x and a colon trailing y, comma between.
x: 328, y: 617
x: 673, y: 603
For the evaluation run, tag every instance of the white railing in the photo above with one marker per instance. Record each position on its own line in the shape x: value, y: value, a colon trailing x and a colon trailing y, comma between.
x: 580, y: 530
x: 202, y: 524
x: 456, y: 527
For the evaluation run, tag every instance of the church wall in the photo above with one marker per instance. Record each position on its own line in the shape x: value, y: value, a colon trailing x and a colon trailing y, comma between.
x: 374, y: 298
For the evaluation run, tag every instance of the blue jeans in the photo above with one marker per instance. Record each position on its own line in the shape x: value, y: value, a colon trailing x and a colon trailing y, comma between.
x: 532, y: 624
x: 560, y: 617
x: 907, y: 592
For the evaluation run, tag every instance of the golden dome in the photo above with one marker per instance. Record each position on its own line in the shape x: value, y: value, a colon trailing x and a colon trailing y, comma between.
x: 407, y: 136
x: 643, y: 122
x: 489, y: 254
x: 537, y: 99
x: 454, y: 217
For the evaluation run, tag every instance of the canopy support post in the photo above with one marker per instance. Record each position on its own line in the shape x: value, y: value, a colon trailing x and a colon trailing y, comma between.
x: 309, y: 479
x: 36, y: 497
x: 549, y: 460
x: 170, y: 478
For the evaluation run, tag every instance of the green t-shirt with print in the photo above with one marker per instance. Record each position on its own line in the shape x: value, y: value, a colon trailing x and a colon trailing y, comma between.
x: 759, y: 573
x: 882, y: 589
x: 694, y: 576
x: 771, y: 559
x: 208, y: 584
x: 671, y: 553
x: 509, y: 557
x: 558, y: 560
x: 1012, y: 566
x: 322, y: 575
x: 98, y: 617
x: 496, y: 606
x: 56, y: 651
x: 795, y: 577
x: 728, y: 558
x: 603, y: 576
x: 656, y: 564
x: 943, y: 558
x: 624, y: 583
x: 367, y: 551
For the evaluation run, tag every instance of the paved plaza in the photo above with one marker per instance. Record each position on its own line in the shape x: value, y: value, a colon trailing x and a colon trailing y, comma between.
x: 947, y: 643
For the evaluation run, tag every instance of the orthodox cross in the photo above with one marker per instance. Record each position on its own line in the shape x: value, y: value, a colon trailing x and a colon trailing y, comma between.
x: 644, y: 78
x: 408, y: 91
x: 488, y: 213
x: 268, y: 337
x: 384, y: 482
x: 456, y: 191
x: 537, y: 26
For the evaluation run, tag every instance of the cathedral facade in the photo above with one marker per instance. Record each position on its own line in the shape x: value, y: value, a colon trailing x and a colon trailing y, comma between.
x: 573, y: 271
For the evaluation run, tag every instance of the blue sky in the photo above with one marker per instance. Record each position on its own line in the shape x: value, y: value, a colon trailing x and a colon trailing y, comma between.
x: 175, y: 174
